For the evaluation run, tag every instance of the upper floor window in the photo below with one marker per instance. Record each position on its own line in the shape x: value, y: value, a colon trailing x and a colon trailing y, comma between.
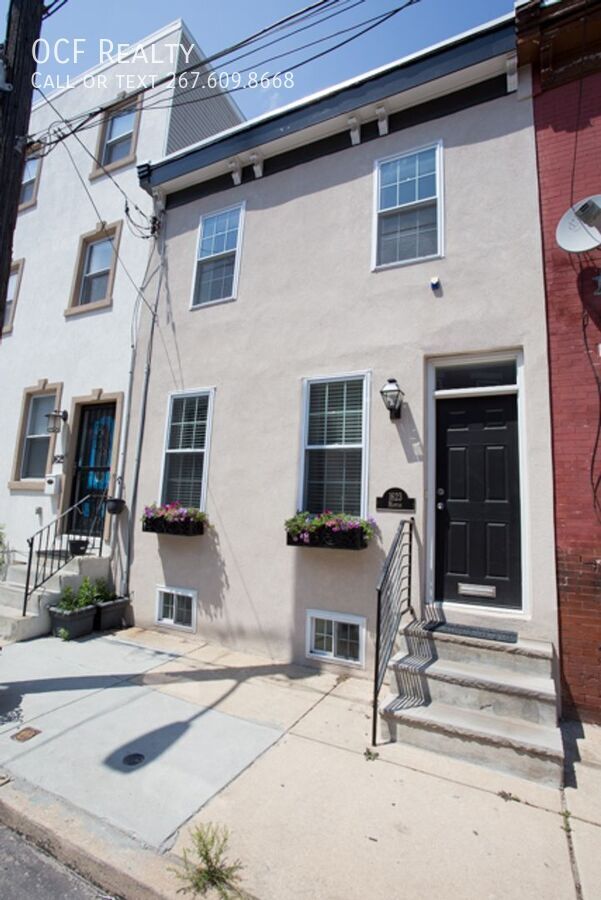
x: 334, y: 454
x: 119, y: 136
x: 29, y: 182
x: 14, y: 281
x: 408, y: 198
x: 95, y: 272
x: 117, y: 139
x: 218, y: 257
x: 184, y: 470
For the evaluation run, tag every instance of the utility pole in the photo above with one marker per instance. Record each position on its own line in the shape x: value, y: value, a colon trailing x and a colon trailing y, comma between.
x: 16, y: 90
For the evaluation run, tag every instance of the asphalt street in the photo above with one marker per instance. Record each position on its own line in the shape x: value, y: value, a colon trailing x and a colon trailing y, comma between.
x: 28, y: 874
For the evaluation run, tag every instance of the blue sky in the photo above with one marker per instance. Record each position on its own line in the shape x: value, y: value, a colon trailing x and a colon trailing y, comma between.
x: 216, y: 25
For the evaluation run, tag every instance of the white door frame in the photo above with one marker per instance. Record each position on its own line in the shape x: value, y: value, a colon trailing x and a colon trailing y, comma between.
x: 432, y: 396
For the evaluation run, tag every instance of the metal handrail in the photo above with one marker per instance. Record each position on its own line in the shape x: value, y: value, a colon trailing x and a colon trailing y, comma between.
x: 393, y: 594
x: 56, y: 558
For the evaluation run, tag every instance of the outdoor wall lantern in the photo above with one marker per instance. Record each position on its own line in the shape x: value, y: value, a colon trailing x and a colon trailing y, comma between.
x: 392, y: 396
x: 55, y: 420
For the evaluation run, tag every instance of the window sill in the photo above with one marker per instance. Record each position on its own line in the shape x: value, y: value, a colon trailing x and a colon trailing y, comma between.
x: 336, y: 660
x: 166, y: 623
x: 87, y: 308
x: 29, y: 205
x: 407, y: 262
x: 99, y: 171
x: 193, y: 307
x: 8, y: 329
x: 33, y: 485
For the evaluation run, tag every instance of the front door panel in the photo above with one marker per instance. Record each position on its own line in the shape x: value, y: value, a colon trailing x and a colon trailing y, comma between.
x: 478, y: 502
x: 91, y: 474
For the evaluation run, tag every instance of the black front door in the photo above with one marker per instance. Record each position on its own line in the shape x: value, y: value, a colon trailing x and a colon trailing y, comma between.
x: 478, y: 501
x: 92, y: 468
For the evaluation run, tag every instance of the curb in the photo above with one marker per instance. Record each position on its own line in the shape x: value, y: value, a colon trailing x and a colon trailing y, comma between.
x: 109, y: 859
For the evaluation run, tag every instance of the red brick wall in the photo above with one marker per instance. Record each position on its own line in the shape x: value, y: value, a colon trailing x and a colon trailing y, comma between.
x: 568, y: 135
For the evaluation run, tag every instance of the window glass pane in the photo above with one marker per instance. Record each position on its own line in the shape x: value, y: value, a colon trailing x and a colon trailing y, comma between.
x: 426, y: 162
x: 40, y: 406
x: 347, y: 641
x: 183, y: 610
x: 26, y: 194
x: 408, y: 234
x: 426, y: 187
x: 333, y: 481
x: 12, y: 286
x: 116, y: 151
x: 120, y: 124
x: 188, y: 430
x: 8, y: 308
x: 35, y: 457
x: 30, y: 169
x: 336, y: 412
x: 94, y: 288
x: 472, y: 375
x: 183, y: 478
x: 219, y: 233
x: 323, y: 635
x: 214, y: 280
x: 99, y: 256
x: 167, y: 605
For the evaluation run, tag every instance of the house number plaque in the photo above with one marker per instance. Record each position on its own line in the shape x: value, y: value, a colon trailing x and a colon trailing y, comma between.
x: 395, y: 500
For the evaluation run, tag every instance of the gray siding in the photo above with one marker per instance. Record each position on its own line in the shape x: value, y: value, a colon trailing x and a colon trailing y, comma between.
x: 198, y: 117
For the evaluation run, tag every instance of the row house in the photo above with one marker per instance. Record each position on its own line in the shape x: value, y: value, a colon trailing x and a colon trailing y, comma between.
x: 350, y: 318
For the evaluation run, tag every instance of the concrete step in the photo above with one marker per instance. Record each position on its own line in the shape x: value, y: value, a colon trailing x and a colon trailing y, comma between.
x: 524, y: 656
x: 520, y: 748
x: 16, y: 627
x: 473, y: 685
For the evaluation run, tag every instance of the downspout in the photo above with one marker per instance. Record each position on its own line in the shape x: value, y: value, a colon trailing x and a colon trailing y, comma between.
x: 158, y: 211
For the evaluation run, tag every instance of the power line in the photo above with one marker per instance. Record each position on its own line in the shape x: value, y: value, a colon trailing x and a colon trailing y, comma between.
x: 53, y: 8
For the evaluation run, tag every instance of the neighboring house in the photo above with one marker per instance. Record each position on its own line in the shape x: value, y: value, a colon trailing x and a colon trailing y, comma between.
x: 72, y: 296
x: 561, y: 42
x: 386, y: 228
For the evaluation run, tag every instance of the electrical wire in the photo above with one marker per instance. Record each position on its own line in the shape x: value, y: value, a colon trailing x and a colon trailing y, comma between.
x: 53, y: 8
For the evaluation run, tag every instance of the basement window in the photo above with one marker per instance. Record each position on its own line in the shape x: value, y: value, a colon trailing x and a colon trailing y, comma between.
x: 176, y: 607
x: 337, y: 637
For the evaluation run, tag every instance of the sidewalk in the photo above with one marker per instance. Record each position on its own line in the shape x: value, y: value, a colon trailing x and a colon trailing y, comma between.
x: 276, y: 753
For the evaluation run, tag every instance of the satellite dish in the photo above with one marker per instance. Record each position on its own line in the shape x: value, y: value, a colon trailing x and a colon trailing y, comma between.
x: 579, y: 228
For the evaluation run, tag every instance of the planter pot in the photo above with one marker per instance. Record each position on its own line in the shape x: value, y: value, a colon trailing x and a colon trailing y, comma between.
x: 78, y: 548
x: 161, y: 526
x: 332, y: 540
x: 76, y: 622
x: 115, y: 506
x: 110, y: 614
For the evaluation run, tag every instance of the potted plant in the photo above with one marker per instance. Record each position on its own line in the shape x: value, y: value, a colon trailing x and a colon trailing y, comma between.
x: 73, y: 616
x: 173, y: 518
x: 110, y: 609
x: 115, y: 506
x: 78, y: 546
x: 335, y: 531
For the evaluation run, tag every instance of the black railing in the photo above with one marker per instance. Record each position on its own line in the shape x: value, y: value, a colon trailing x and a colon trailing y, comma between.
x: 394, y: 598
x: 75, y: 532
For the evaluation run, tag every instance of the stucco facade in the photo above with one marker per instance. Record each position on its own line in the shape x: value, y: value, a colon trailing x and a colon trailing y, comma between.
x: 84, y: 350
x: 310, y: 304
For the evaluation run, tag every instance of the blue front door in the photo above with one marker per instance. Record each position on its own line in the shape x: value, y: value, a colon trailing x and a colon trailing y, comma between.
x: 92, y: 470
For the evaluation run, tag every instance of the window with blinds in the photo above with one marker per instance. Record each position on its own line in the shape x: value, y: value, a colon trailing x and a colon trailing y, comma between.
x: 408, y: 214
x: 184, y: 467
x: 334, y: 446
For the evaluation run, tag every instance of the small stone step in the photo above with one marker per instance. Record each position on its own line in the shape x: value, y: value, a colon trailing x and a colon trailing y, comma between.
x: 526, y: 656
x: 473, y: 685
x: 520, y: 748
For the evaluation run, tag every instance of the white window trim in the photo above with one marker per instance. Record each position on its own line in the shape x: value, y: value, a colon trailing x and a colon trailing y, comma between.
x: 517, y: 356
x: 435, y: 145
x: 238, y: 255
x: 345, y: 618
x: 28, y: 437
x: 173, y: 395
x: 366, y: 376
x: 170, y: 623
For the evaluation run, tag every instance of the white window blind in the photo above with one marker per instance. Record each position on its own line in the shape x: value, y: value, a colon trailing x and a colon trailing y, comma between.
x: 37, y: 439
x: 185, y: 451
x: 334, y: 446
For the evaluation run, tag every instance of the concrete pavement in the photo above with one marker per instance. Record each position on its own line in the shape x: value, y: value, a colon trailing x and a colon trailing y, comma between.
x: 276, y: 753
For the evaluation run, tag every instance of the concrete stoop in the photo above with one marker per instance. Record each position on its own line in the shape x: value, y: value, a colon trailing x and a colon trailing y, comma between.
x: 486, y: 702
x: 14, y: 626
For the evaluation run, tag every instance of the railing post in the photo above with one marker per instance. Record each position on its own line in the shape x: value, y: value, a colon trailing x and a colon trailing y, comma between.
x: 374, y: 722
x: 26, y: 596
